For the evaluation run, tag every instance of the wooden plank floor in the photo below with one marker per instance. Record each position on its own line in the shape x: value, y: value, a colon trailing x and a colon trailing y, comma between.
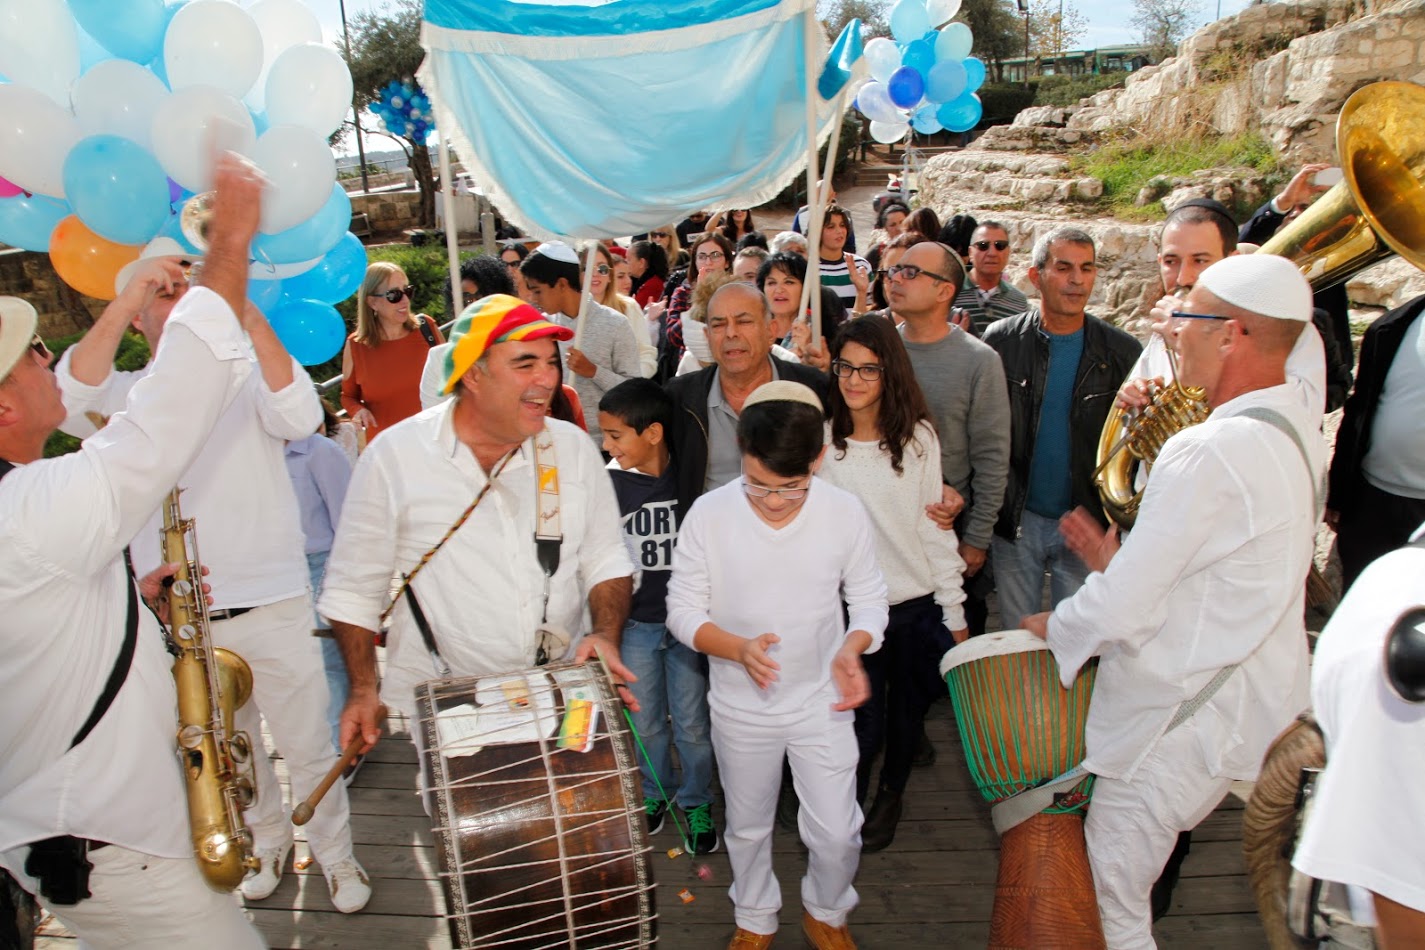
x: 933, y: 887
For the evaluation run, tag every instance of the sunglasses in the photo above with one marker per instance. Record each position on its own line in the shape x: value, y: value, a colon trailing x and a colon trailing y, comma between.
x: 602, y: 270
x: 911, y: 272
x: 985, y: 245
x: 37, y: 346
x: 660, y: 234
x: 395, y: 294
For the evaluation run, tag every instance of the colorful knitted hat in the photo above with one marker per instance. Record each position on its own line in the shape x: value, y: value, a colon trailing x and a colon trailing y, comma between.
x: 494, y: 319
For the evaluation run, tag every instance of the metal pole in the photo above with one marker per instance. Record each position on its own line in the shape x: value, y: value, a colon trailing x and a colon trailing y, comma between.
x: 355, y: 113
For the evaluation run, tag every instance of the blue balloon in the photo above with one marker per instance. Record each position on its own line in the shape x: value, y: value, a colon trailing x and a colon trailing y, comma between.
x: 961, y: 114
x: 974, y: 74
x: 27, y: 220
x: 264, y: 294
x: 946, y: 81
x: 312, y: 331
x: 130, y: 29
x: 117, y: 188
x: 259, y: 120
x: 923, y: 120
x: 312, y: 238
x: 906, y: 87
x: 909, y: 20
x: 337, y: 276
x: 919, y: 56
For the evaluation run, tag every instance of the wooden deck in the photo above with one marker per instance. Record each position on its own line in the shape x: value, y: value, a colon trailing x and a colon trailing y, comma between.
x: 933, y: 888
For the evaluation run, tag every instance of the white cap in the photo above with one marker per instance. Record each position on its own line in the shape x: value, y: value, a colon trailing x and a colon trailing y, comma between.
x: 1264, y: 284
x: 784, y: 390
x: 558, y: 251
x: 158, y: 247
x: 17, y: 328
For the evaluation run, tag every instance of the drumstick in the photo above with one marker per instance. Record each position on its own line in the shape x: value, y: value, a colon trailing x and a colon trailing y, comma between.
x: 303, y: 812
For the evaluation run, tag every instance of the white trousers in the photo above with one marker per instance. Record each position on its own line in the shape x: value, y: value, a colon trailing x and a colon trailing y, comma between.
x: 140, y: 902
x: 1132, y: 827
x: 821, y: 746
x: 289, y: 689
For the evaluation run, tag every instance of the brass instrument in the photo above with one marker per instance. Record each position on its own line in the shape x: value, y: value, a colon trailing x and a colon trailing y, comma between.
x: 195, y: 219
x: 1378, y: 209
x: 212, y: 683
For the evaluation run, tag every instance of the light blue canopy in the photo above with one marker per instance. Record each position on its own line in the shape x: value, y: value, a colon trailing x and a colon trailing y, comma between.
x: 603, y: 118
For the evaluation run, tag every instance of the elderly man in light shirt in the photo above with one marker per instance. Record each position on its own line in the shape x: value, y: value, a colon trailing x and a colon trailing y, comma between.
x: 1197, y: 621
x: 483, y: 592
x: 100, y: 782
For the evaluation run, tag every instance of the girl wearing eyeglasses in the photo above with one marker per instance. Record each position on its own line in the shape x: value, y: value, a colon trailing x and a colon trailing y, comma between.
x: 602, y: 289
x: 884, y: 450
x: 382, y: 361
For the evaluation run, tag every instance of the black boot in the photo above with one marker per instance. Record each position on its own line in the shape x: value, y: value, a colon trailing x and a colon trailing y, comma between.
x: 924, y: 752
x: 880, y: 828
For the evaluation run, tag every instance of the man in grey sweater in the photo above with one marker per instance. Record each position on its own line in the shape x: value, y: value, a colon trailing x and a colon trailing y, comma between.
x: 963, y: 380
x: 604, y: 352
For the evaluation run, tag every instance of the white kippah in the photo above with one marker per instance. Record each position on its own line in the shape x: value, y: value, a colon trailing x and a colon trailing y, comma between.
x: 558, y: 251
x: 784, y: 390
x: 1260, y: 283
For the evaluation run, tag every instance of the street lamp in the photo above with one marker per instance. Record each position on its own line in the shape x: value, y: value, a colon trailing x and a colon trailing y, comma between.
x: 1024, y: 11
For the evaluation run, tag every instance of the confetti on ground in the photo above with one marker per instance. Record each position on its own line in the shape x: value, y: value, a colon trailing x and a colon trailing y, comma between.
x: 674, y: 852
x: 301, y: 864
x: 686, y: 896
x: 704, y: 872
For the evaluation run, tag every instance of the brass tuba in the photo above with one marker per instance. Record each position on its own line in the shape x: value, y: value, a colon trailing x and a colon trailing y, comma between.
x: 1377, y: 210
x: 212, y: 684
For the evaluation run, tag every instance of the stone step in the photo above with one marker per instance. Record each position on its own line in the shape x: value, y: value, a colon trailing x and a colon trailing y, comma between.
x: 1033, y: 190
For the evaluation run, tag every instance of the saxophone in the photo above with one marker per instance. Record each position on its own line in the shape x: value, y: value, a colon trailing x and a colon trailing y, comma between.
x: 212, y: 683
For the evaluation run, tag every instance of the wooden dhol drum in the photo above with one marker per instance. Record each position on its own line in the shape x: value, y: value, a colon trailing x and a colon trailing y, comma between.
x: 537, y: 803
x: 1020, y: 729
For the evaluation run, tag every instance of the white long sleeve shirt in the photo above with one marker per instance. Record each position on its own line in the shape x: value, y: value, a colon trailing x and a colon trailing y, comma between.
x: 1213, y: 574
x: 482, y: 592
x: 916, y: 557
x: 1305, y: 368
x: 732, y: 569
x: 63, y: 593
x: 237, y: 490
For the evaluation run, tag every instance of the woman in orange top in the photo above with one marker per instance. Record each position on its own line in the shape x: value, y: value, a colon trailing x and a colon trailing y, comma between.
x: 382, y: 362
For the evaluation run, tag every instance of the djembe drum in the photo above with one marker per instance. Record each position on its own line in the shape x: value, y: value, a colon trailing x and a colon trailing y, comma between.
x: 1021, y: 731
x: 539, y: 825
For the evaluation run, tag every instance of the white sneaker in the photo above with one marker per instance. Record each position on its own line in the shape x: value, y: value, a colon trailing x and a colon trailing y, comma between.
x: 262, y: 882
x: 350, y: 886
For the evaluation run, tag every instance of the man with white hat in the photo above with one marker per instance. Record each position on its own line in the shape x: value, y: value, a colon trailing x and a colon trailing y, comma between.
x: 246, y: 514
x: 93, y: 816
x: 1197, y: 621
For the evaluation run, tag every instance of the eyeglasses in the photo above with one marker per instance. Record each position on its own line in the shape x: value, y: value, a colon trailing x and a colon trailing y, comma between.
x: 602, y: 270
x: 707, y: 257
x: 985, y: 245
x: 911, y: 272
x: 870, y: 372
x: 395, y: 294
x: 786, y: 494
x: 1184, y: 315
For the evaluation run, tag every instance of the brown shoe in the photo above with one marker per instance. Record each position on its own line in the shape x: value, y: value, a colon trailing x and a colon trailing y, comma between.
x: 826, y: 937
x: 747, y: 940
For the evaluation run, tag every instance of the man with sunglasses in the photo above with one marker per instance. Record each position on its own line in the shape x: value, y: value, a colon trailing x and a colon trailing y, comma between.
x: 1063, y: 366
x: 246, y: 513
x: 1197, y: 620
x: 987, y: 296
x: 93, y: 811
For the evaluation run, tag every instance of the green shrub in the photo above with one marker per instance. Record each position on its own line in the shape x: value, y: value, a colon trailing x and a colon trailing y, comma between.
x: 1068, y: 90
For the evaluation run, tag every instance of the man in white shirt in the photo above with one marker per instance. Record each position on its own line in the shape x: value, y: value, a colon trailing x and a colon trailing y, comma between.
x: 1197, y: 621
x: 115, y: 796
x: 250, y: 530
x: 484, y: 593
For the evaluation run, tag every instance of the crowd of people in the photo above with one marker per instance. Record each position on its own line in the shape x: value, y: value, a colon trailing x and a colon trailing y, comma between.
x: 769, y: 536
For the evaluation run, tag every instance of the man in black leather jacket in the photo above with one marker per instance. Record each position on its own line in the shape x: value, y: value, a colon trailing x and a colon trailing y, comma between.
x: 1063, y: 367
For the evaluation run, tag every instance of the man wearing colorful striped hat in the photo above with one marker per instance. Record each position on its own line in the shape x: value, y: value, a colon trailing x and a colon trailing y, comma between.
x: 503, y: 523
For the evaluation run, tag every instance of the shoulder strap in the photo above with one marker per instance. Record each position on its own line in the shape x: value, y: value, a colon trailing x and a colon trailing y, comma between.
x: 5, y: 468
x: 1280, y: 422
x: 427, y: 331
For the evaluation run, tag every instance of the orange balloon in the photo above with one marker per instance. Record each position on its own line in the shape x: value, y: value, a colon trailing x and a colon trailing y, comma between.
x: 87, y: 262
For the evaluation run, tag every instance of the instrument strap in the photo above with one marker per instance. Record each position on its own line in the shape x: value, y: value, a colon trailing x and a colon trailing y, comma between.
x: 442, y: 668
x: 547, y: 534
x: 1280, y: 422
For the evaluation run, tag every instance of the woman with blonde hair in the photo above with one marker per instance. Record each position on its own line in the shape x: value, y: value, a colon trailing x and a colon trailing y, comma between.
x: 667, y: 238
x: 382, y: 361
x: 602, y: 289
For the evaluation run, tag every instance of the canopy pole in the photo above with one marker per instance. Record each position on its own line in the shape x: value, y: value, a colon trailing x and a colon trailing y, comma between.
x: 586, y: 293
x: 452, y: 248
x: 811, y: 287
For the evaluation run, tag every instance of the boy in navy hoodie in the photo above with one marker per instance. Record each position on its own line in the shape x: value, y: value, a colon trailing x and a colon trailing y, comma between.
x: 672, y: 679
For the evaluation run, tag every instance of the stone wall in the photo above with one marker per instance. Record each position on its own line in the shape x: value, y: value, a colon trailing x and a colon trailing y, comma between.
x: 389, y: 210
x: 62, y: 310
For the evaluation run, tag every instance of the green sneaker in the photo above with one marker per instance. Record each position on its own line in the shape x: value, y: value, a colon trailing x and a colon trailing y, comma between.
x: 657, y: 809
x: 701, y: 833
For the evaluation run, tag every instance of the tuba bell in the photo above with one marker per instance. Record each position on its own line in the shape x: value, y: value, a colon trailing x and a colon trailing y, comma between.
x: 1378, y: 209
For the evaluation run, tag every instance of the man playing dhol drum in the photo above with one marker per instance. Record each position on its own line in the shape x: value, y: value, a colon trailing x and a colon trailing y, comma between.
x: 1198, y: 620
x: 484, y: 592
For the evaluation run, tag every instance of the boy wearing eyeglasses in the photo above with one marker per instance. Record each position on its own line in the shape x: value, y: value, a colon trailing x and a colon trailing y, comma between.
x: 761, y: 570
x: 987, y: 296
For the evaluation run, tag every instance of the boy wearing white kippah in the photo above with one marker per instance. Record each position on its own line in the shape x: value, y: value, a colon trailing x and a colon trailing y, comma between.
x: 759, y: 575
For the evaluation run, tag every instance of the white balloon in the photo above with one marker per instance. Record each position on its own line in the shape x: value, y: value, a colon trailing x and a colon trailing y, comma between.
x: 193, y: 123
x: 40, y: 46
x: 283, y: 24
x: 875, y: 103
x: 300, y: 173
x: 117, y: 97
x: 35, y: 136
x: 212, y: 43
x: 309, y: 86
x: 883, y: 58
x: 888, y: 133
x: 265, y: 270
x: 941, y: 11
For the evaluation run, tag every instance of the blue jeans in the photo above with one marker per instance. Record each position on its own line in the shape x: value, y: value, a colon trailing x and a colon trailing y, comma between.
x: 332, y: 662
x: 672, y: 679
x: 1020, y: 567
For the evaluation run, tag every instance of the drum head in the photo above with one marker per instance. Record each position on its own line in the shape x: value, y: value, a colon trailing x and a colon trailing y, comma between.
x: 991, y: 644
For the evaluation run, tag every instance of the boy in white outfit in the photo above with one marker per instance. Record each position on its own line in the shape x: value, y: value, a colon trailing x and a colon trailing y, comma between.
x: 759, y: 575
